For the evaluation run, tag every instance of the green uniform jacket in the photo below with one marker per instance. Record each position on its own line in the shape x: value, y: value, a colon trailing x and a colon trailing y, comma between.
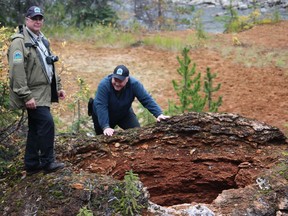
x: 28, y: 78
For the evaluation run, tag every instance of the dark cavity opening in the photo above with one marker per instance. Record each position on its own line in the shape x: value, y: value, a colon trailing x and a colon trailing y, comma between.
x: 171, y: 183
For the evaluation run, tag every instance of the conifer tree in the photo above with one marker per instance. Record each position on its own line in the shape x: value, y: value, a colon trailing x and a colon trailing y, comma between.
x: 188, y: 89
x: 208, y: 89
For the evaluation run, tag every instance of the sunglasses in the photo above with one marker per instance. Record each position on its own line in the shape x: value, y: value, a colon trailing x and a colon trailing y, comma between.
x: 36, y: 18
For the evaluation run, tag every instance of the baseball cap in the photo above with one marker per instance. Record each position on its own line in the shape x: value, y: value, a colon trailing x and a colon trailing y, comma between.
x: 34, y: 11
x: 120, y: 72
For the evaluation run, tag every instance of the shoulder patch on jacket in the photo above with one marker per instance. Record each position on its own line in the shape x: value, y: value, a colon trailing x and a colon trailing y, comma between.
x: 17, y: 57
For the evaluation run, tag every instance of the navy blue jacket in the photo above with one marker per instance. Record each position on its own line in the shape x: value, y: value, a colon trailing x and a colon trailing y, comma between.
x: 110, y: 107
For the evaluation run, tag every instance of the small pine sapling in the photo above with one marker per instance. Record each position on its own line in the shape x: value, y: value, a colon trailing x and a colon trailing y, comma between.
x: 188, y: 89
x: 127, y: 196
x: 208, y: 89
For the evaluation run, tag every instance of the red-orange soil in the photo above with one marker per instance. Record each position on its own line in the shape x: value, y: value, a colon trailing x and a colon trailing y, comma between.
x: 253, y: 76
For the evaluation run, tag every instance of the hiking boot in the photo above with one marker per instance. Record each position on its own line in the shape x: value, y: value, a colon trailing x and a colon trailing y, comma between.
x: 30, y: 172
x: 54, y: 166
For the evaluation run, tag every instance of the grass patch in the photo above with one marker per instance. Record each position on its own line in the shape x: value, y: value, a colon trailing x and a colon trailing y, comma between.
x: 163, y: 42
x: 109, y: 36
x: 173, y: 43
x: 100, y: 36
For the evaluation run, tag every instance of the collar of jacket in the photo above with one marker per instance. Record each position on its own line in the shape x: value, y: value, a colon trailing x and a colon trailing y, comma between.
x: 27, y: 38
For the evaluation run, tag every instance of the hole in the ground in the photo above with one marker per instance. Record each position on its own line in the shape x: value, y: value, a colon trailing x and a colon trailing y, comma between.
x: 175, y: 174
x: 184, y: 182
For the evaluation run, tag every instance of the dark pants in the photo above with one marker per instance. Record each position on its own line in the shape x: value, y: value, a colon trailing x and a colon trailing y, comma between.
x: 128, y: 121
x: 40, y: 140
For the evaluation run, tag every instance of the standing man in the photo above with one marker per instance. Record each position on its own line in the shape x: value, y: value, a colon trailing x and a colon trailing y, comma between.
x: 113, y: 102
x: 34, y: 86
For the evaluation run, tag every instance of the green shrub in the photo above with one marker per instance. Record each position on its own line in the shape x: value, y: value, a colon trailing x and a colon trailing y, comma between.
x: 79, y: 106
x: 85, y: 212
x: 198, y: 25
x: 127, y: 196
x: 65, y: 13
x: 10, y: 120
x: 8, y: 117
x: 235, y: 23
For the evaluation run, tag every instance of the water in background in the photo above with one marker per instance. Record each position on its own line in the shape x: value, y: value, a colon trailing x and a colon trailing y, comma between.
x: 209, y: 21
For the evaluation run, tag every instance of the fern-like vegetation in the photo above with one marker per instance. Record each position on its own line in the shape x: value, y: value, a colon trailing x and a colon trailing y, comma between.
x: 127, y: 196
